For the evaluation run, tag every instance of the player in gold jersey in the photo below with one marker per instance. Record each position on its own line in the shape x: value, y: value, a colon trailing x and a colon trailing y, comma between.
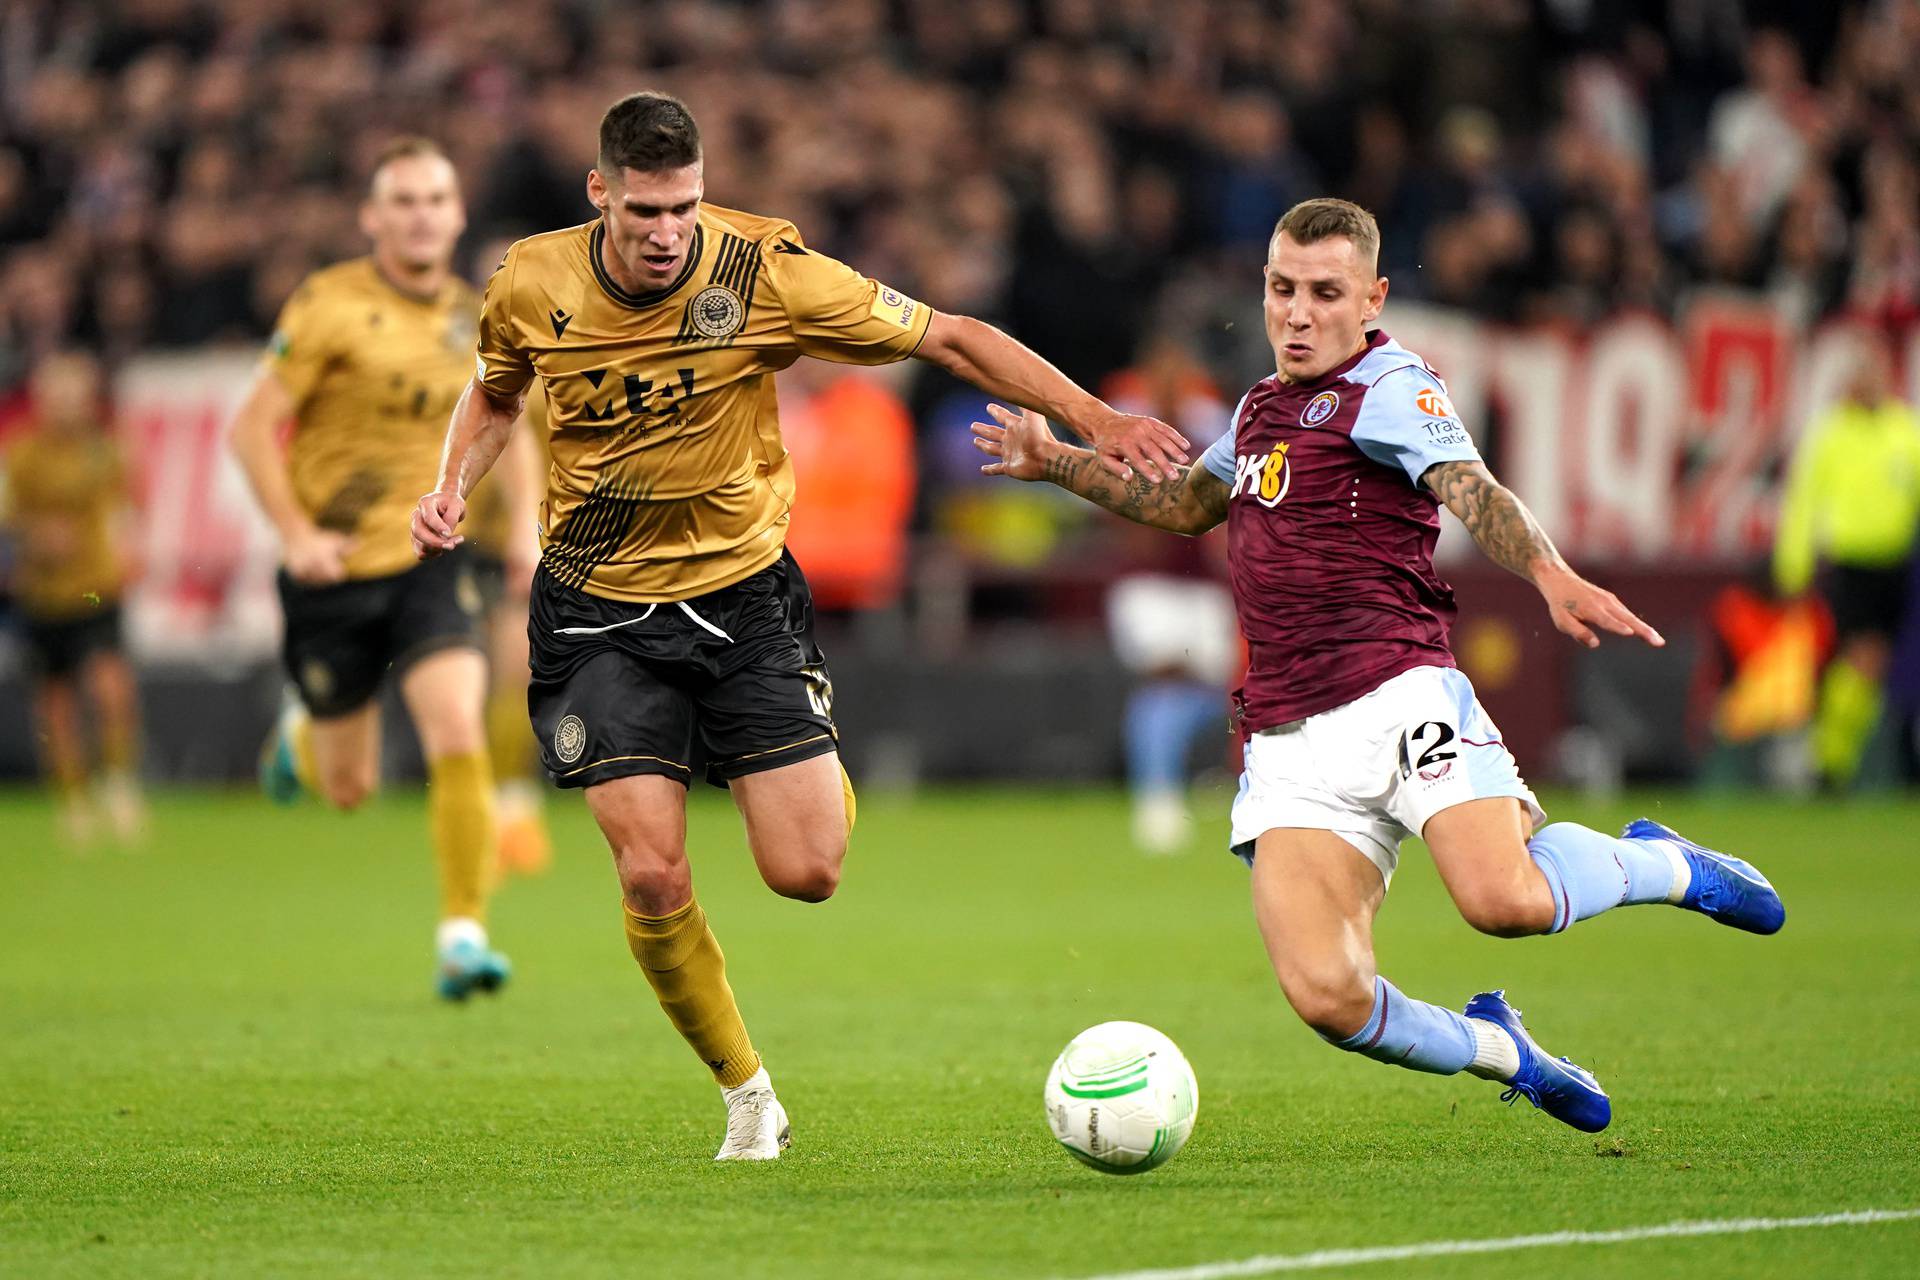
x: 65, y: 494
x: 519, y: 795
x: 368, y: 358
x: 671, y: 633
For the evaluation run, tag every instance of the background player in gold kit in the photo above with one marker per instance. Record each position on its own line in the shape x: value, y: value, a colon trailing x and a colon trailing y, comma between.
x: 671, y: 632
x: 65, y: 493
x: 498, y: 543
x: 368, y: 358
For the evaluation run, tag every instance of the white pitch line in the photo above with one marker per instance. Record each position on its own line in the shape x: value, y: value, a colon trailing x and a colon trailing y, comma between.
x: 1273, y: 1264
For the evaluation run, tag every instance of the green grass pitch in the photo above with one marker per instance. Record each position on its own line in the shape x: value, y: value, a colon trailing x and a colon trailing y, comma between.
x: 220, y: 1056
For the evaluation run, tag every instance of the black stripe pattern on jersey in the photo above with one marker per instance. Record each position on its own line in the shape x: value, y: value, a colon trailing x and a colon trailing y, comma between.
x: 593, y: 530
x: 709, y: 320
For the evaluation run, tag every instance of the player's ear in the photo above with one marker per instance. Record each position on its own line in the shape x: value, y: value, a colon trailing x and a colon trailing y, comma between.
x: 596, y: 190
x: 1376, y: 299
x: 369, y: 224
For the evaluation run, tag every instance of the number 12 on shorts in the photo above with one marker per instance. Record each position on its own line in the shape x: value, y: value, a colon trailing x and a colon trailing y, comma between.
x: 1429, y: 740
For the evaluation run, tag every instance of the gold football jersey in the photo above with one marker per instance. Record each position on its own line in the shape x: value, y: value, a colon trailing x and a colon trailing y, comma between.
x: 374, y: 372
x: 668, y: 476
x: 63, y: 493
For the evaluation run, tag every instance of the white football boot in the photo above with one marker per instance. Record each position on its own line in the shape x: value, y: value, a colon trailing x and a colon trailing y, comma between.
x: 757, y: 1127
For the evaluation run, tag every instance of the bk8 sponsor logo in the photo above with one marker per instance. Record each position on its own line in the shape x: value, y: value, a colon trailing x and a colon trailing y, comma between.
x: 1265, y: 476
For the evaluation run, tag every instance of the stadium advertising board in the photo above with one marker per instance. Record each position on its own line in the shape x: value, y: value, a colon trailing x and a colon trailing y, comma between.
x: 1637, y: 442
x: 206, y: 556
x: 1643, y: 440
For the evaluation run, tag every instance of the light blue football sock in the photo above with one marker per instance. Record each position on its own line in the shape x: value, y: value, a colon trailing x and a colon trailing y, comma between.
x: 1163, y: 721
x: 1589, y: 873
x: 1413, y: 1034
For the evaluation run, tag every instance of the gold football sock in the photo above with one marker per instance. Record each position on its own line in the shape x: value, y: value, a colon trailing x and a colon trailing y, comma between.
x: 509, y: 736
x: 460, y: 802
x: 119, y: 747
x: 853, y: 804
x: 1849, y: 711
x: 688, y: 973
x: 68, y: 772
x: 299, y: 733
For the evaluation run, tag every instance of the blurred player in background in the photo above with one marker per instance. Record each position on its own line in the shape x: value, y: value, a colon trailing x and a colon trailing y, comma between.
x: 1170, y: 614
x: 672, y: 633
x: 1361, y: 730
x: 519, y: 797
x: 368, y: 358
x: 1176, y: 634
x: 65, y: 499
x: 1852, y: 507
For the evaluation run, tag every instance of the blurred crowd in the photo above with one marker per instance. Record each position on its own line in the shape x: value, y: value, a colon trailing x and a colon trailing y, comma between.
x: 1089, y: 172
x: 1099, y: 176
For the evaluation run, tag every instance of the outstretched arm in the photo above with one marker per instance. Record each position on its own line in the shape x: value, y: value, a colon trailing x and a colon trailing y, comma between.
x: 1191, y: 501
x: 476, y: 435
x: 312, y: 555
x: 976, y: 352
x: 1509, y: 535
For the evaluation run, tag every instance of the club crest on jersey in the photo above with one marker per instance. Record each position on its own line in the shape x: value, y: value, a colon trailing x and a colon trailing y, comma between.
x: 1265, y: 476
x: 1320, y: 408
x: 716, y: 312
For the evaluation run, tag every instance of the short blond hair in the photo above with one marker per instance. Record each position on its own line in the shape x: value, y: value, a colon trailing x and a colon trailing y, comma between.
x: 406, y: 147
x: 1311, y: 221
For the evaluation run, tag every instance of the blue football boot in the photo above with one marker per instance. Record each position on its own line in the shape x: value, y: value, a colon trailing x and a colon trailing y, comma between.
x: 467, y: 966
x: 1564, y: 1091
x: 279, y: 779
x: 1722, y: 888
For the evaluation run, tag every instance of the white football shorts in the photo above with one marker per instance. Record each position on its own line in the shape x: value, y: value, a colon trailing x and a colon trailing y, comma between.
x: 1372, y: 771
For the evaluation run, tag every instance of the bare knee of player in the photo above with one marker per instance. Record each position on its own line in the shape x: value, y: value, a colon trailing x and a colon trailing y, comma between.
x: 1515, y: 909
x: 655, y: 879
x: 1331, y: 994
x: 444, y: 693
x: 111, y: 683
x: 1869, y: 653
x: 347, y: 783
x: 803, y: 863
x: 451, y: 731
x: 1482, y: 854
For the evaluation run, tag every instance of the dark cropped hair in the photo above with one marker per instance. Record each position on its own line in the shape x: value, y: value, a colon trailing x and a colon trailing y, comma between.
x: 649, y: 132
x: 1311, y: 221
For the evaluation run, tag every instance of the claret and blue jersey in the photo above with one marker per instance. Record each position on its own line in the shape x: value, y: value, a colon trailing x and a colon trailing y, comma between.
x: 1333, y: 532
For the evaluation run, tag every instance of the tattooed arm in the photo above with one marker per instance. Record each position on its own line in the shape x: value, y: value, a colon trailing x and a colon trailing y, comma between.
x: 1191, y: 501
x: 1510, y: 536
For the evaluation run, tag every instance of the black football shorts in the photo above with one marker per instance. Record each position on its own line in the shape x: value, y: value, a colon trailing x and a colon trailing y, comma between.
x: 725, y: 684
x: 343, y: 639
x: 1866, y: 601
x: 61, y: 646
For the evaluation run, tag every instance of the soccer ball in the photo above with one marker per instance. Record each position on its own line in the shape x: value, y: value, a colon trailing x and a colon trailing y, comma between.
x: 1121, y: 1098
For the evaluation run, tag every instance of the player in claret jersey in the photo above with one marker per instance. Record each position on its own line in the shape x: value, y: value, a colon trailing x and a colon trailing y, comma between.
x: 671, y: 633
x: 1360, y: 731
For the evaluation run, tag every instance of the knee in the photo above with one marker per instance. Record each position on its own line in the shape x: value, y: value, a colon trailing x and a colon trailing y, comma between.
x: 453, y: 734
x: 654, y: 882
x: 808, y: 873
x: 1336, y: 1003
x: 1507, y: 912
x: 347, y: 788
x: 810, y: 881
